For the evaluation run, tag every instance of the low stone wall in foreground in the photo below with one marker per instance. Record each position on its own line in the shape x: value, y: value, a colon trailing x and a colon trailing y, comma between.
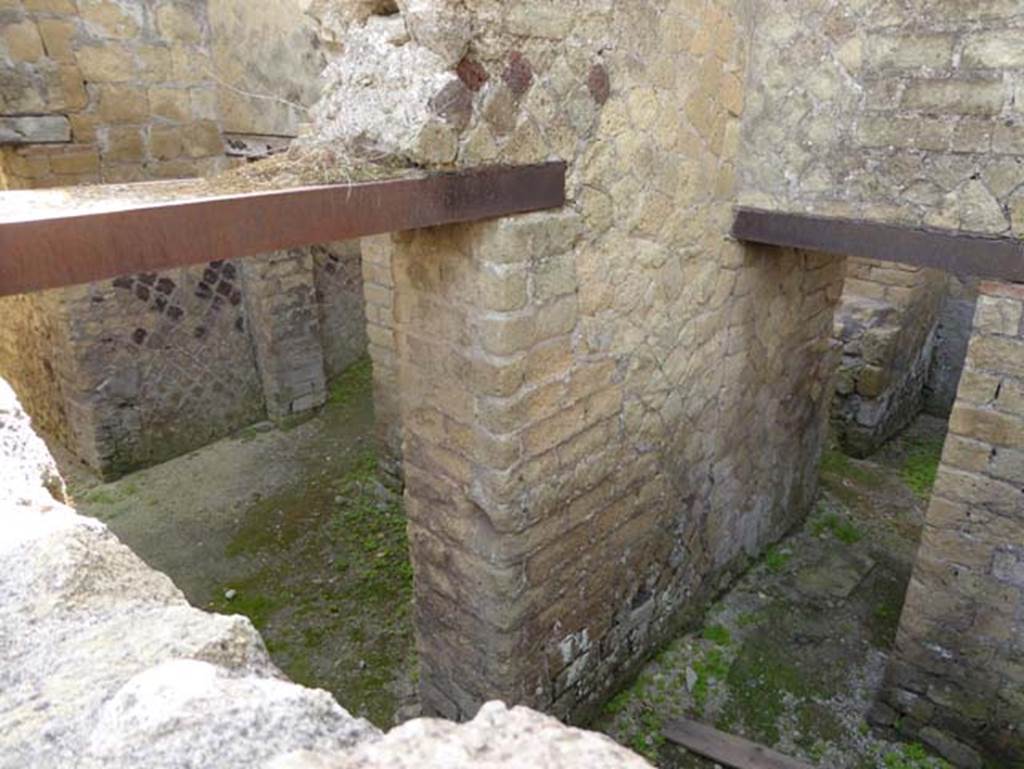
x: 106, y: 664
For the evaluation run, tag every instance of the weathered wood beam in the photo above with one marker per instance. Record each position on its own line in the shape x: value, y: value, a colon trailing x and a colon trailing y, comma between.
x: 727, y: 749
x: 47, y: 241
x: 982, y: 256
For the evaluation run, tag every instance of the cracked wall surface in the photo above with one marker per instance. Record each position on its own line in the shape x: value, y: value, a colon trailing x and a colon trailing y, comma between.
x: 606, y: 410
x: 906, y: 112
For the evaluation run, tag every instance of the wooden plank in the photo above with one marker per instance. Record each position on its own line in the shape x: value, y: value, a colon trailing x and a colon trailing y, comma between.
x: 727, y: 749
x: 83, y: 237
x: 1001, y: 258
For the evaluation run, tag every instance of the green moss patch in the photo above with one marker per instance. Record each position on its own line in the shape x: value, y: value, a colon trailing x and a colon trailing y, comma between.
x: 912, y: 757
x: 356, y: 379
x: 922, y: 467
x: 332, y: 594
x: 836, y: 465
x: 839, y: 526
x: 775, y: 559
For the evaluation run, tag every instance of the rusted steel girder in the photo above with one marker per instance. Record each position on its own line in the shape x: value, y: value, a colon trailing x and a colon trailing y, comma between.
x: 50, y: 248
x: 1000, y: 258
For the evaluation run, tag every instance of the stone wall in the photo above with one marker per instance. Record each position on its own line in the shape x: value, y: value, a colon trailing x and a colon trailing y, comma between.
x: 604, y: 410
x: 378, y: 288
x: 268, y: 59
x: 131, y: 82
x: 157, y: 365
x: 911, y: 113
x: 957, y: 677
x: 149, y: 89
x: 342, y: 311
x: 134, y: 371
x: 956, y: 319
x: 887, y: 323
x: 34, y: 332
x: 905, y: 112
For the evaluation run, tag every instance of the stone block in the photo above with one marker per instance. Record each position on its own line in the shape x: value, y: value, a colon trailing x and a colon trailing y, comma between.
x: 58, y: 38
x: 85, y: 160
x: 59, y: 7
x: 994, y: 49
x: 154, y: 64
x: 554, y: 277
x: 997, y: 354
x: 956, y: 97
x: 865, y: 288
x: 83, y: 128
x: 964, y: 454
x: 166, y: 142
x: 972, y: 135
x: 909, y: 51
x: 507, y: 334
x: 109, y: 63
x: 503, y: 288
x: 170, y: 103
x: 1008, y: 138
x: 556, y: 429
x: 22, y: 42
x: 521, y: 238
x: 872, y: 381
x: 958, y: 753
x: 987, y: 426
x: 978, y: 388
x: 1007, y: 464
x: 179, y: 22
x: 28, y: 165
x: 109, y: 19
x: 123, y: 173
x: 980, y: 492
x: 203, y: 139
x: 35, y: 129
x: 72, y: 85
x: 190, y: 64
x: 124, y: 143
x: 204, y: 104
x: 999, y: 316
x: 123, y: 104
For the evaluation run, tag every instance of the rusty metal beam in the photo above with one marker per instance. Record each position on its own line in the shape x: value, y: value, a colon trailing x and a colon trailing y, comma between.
x: 1001, y: 258
x: 50, y: 248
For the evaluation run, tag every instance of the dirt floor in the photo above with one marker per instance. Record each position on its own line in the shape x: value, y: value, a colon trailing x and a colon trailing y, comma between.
x: 793, y: 655
x: 300, y: 530
x: 303, y: 532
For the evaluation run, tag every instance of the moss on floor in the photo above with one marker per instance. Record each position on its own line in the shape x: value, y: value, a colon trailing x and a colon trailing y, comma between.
x: 299, y: 529
x: 793, y: 655
x: 335, y: 609
x: 922, y: 466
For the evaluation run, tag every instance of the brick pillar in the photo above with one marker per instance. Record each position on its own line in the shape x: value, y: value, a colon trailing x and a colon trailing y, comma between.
x: 281, y: 304
x: 574, y: 495
x: 478, y: 347
x: 378, y: 293
x: 956, y: 679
